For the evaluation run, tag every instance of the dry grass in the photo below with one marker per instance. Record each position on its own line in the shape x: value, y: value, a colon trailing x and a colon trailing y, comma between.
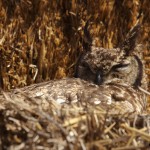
x: 27, y: 122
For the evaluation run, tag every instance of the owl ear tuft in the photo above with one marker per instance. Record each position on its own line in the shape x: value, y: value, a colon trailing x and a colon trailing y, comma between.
x: 130, y: 41
x: 87, y: 40
x: 87, y: 36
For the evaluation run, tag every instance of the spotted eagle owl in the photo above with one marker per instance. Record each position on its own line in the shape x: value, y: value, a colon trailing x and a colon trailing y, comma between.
x: 120, y: 71
x: 105, y: 77
x: 124, y: 64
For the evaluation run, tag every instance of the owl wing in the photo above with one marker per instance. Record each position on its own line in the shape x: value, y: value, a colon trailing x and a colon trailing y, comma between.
x: 115, y: 99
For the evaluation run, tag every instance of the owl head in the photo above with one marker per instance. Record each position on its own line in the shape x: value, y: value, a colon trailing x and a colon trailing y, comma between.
x: 122, y: 64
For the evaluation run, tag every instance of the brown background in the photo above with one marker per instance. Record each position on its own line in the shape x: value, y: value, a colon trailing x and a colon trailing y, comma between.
x: 48, y: 35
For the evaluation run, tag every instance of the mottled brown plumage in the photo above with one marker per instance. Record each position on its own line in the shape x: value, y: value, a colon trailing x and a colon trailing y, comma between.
x: 120, y: 69
x: 118, y: 63
x: 117, y: 98
x: 118, y: 74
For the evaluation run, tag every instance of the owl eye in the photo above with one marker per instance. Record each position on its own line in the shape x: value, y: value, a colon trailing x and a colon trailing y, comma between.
x: 120, y: 67
x: 85, y: 64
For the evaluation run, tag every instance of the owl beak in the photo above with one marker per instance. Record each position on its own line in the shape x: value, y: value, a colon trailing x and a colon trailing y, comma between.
x: 99, y: 78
